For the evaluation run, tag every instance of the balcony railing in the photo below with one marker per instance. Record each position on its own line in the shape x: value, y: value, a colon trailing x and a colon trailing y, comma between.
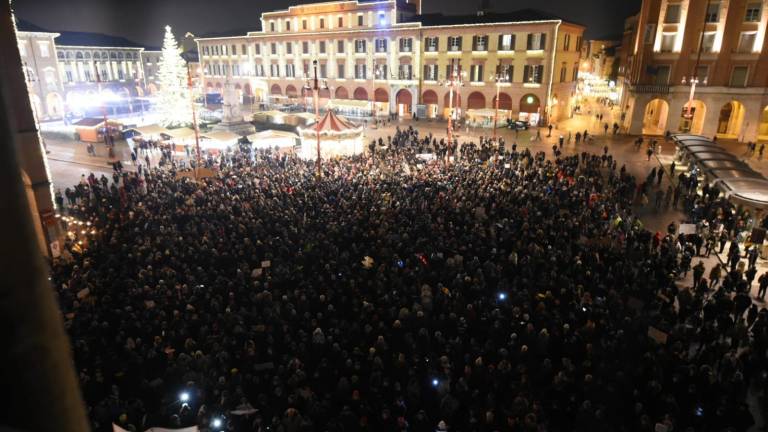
x: 650, y: 89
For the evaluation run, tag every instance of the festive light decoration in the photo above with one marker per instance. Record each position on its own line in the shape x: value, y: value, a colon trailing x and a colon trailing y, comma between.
x: 173, y: 96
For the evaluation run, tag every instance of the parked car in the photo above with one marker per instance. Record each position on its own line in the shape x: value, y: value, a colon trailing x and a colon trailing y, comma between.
x: 518, y: 125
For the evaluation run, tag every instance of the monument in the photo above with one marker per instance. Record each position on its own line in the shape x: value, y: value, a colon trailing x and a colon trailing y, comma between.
x: 232, y: 119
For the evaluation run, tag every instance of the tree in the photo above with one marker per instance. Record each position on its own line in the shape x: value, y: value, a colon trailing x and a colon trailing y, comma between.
x: 173, y: 99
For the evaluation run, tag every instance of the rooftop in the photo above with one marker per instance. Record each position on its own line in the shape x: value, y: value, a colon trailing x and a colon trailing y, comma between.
x: 26, y: 26
x: 438, y: 19
x: 72, y: 38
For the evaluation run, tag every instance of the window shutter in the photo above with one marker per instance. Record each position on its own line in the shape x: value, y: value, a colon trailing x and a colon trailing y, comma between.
x: 529, y: 44
x: 527, y: 69
x: 480, y: 73
x: 543, y: 41
x: 498, y: 45
x: 474, y: 43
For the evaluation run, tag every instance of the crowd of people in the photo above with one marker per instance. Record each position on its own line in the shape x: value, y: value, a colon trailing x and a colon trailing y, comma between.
x: 505, y: 291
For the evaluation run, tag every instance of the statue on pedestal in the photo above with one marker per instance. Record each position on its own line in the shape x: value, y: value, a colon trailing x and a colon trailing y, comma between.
x: 232, y: 116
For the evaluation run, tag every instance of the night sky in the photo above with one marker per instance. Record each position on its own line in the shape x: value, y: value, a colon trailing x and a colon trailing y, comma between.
x: 143, y: 20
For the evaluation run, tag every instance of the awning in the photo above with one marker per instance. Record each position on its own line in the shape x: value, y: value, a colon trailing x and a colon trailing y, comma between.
x: 740, y: 183
x: 220, y: 135
x: 180, y: 133
x: 151, y: 130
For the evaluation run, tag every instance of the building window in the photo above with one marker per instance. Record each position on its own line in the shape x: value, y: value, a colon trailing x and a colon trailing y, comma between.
x: 290, y: 70
x: 381, y: 45
x: 380, y: 71
x: 360, y: 46
x: 340, y: 47
x: 746, y: 42
x: 68, y: 75
x: 244, y: 49
x: 44, y: 51
x: 713, y: 13
x: 506, y: 42
x: 258, y: 49
x: 662, y: 75
x: 272, y: 26
x: 303, y: 24
x: 360, y: 20
x: 322, y: 47
x: 739, y: 76
x: 673, y: 14
x: 288, y: 25
x: 323, y: 70
x: 340, y: 71
x: 322, y: 23
x: 708, y: 42
x: 480, y: 43
x: 236, y: 70
x: 359, y: 71
x: 341, y: 22
x: 667, y: 42
x: 305, y: 47
x: 575, y: 73
x: 273, y: 46
x: 406, y: 44
x: 431, y: 44
x: 405, y: 72
x: 452, y: 70
x: 234, y: 49
x: 753, y: 12
x: 120, y: 74
x: 566, y: 43
x: 289, y: 47
x: 430, y: 72
x: 536, y: 41
x: 454, y: 43
x: 533, y: 74
x: 702, y: 72
x: 274, y: 70
x: 506, y: 71
x: 563, y: 71
x: 205, y: 50
x: 578, y: 45
x: 476, y: 73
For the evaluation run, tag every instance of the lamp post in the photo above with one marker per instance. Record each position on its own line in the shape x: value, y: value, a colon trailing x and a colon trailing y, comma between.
x: 453, y: 82
x: 194, y: 121
x: 375, y: 73
x: 498, y: 79
x: 314, y: 85
x: 103, y: 106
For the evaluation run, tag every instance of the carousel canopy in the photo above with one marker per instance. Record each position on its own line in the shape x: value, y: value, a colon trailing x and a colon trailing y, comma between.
x: 332, y: 124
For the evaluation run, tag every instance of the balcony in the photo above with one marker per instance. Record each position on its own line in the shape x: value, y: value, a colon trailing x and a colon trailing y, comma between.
x: 650, y: 89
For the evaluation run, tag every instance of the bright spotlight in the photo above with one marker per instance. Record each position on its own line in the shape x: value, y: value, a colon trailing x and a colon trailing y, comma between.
x: 435, y: 382
x: 184, y: 397
x: 502, y: 296
x: 217, y: 423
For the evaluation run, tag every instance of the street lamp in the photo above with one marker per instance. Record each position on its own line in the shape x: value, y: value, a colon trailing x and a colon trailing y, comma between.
x: 453, y: 81
x: 499, y: 78
x: 375, y: 74
x: 315, y: 86
x: 693, y: 81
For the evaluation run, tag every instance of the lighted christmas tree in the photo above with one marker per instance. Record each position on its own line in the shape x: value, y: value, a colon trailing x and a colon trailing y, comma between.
x: 173, y: 102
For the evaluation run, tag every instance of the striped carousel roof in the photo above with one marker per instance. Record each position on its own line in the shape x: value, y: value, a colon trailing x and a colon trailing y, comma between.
x: 333, y: 123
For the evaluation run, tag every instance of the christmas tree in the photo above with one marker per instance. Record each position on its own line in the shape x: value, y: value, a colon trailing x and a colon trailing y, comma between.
x: 173, y: 101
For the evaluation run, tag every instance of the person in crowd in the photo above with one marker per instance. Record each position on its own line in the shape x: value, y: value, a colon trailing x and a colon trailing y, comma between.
x: 390, y: 294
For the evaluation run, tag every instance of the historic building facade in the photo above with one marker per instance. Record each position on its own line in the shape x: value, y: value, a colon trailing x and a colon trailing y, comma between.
x: 388, y: 53
x: 720, y: 45
x: 64, y: 71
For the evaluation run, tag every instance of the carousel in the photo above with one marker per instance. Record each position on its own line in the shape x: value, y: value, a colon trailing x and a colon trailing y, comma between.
x: 338, y: 137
